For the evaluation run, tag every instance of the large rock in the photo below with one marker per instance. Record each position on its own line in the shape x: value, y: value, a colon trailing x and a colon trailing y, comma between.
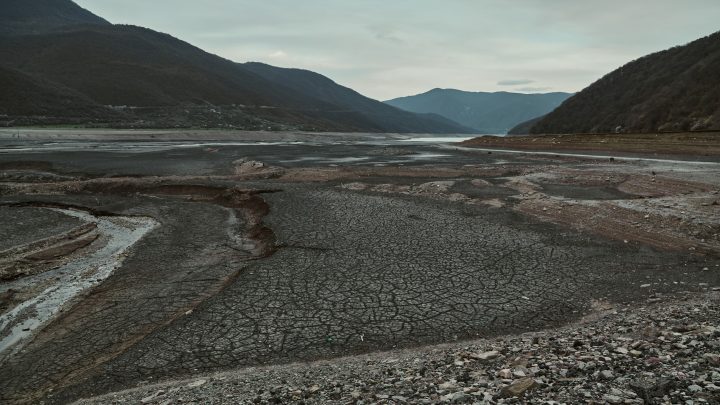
x: 486, y: 356
x: 649, y: 388
x: 518, y: 388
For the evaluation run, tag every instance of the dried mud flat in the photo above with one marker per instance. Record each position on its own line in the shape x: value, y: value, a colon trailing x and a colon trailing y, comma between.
x: 243, y: 254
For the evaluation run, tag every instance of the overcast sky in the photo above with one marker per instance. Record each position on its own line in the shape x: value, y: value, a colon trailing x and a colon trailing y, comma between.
x: 391, y: 48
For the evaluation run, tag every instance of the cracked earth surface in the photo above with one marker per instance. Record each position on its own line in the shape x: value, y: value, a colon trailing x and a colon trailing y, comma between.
x: 260, y: 261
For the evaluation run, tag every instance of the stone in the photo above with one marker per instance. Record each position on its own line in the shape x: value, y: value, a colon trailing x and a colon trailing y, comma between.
x: 606, y: 375
x: 518, y: 388
x: 712, y: 358
x: 486, y: 356
x: 695, y: 388
x: 518, y: 373
x: 447, y: 385
x: 613, y: 399
x: 243, y: 166
x: 505, y: 373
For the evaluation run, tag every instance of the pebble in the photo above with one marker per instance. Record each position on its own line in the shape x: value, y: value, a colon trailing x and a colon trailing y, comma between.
x: 613, y: 399
x: 695, y: 388
x: 637, y: 354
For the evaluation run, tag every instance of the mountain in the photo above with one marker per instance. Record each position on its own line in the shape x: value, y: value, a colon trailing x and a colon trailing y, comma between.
x: 524, y: 127
x: 347, y: 100
x: 491, y: 113
x: 674, y: 90
x: 24, y: 95
x: 35, y: 16
x: 137, y: 77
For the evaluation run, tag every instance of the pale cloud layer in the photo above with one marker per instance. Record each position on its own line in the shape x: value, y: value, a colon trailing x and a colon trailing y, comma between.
x: 391, y: 48
x: 516, y: 82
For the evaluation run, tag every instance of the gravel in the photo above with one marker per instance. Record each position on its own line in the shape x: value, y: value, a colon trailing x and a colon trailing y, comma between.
x: 657, y: 352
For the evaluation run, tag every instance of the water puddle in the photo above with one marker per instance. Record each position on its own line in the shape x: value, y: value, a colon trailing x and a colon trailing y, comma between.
x: 439, y: 139
x: 118, y: 234
x: 424, y: 156
x: 120, y: 146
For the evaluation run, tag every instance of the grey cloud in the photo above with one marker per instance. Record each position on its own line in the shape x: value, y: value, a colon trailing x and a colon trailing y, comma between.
x: 515, y: 82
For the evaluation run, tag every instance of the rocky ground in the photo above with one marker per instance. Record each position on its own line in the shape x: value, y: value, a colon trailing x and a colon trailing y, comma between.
x: 666, y: 350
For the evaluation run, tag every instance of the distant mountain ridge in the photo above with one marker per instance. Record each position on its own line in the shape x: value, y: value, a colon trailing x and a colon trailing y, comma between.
x: 485, y: 112
x: 345, y: 99
x: 673, y: 90
x: 123, y: 75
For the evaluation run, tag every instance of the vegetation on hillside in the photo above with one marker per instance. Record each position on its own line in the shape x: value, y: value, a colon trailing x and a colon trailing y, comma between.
x: 674, y: 90
x: 133, y: 76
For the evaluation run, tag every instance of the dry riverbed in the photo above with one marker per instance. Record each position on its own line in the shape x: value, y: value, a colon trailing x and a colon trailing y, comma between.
x: 179, y: 258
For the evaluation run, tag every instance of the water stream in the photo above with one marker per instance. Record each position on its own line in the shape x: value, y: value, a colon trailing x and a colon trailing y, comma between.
x: 117, y: 235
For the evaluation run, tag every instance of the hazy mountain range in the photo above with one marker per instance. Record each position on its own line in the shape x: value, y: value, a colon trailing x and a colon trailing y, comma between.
x: 489, y: 113
x: 62, y: 64
x: 674, y: 90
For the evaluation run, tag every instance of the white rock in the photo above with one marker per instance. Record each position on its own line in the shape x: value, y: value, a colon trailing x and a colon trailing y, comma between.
x: 447, y: 385
x: 613, y: 399
x: 695, y: 388
x: 491, y: 355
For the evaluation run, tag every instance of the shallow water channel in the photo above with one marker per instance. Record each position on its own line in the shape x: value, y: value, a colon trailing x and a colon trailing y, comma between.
x: 106, y: 254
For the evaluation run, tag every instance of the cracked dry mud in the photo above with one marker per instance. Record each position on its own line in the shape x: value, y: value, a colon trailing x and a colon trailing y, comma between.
x: 271, y: 254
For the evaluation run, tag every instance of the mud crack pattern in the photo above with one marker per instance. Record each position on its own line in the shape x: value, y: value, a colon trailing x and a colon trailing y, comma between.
x: 356, y: 272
